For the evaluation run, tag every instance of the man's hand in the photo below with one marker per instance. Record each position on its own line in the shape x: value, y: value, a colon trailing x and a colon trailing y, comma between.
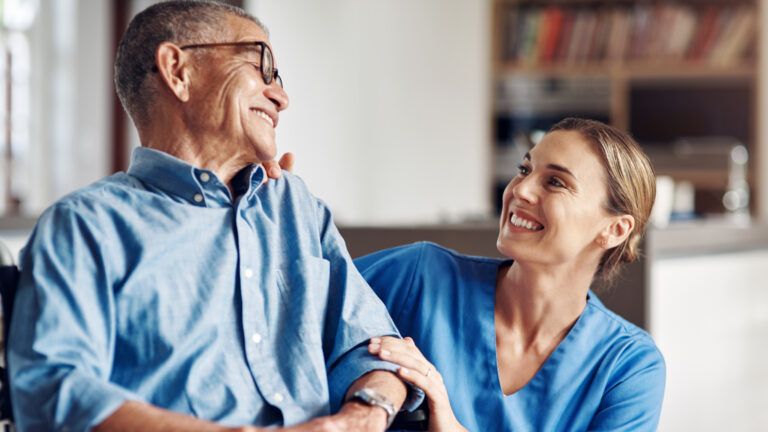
x: 138, y: 416
x: 275, y: 169
x: 322, y: 424
x: 353, y: 417
x: 356, y: 416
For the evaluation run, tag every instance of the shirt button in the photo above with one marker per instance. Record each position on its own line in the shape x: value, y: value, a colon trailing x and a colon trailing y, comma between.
x: 204, y: 177
x: 198, y: 198
x: 248, y: 273
x: 278, y: 397
x: 256, y: 338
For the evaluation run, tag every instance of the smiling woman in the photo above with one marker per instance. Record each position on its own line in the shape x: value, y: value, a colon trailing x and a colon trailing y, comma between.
x: 522, y: 343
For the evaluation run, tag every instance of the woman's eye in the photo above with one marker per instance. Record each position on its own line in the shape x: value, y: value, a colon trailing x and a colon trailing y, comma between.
x: 524, y: 170
x: 554, y: 181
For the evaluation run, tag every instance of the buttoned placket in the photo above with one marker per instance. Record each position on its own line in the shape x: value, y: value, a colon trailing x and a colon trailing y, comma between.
x: 255, y: 326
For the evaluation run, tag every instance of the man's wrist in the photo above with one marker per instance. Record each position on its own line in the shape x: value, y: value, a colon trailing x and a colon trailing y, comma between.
x: 372, y: 411
x: 374, y: 402
x: 360, y: 413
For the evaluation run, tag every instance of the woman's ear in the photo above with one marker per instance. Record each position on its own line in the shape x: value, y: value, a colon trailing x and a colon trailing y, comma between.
x: 171, y: 62
x: 617, y: 231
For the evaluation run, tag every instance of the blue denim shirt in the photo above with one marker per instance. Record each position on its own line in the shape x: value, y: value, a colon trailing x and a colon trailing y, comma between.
x: 156, y: 286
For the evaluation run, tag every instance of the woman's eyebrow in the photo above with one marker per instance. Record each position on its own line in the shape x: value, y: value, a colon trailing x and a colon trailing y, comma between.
x: 552, y: 166
x: 561, y: 168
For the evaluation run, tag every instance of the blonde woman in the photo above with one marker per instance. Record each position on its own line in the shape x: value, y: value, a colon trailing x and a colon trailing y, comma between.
x: 523, y: 344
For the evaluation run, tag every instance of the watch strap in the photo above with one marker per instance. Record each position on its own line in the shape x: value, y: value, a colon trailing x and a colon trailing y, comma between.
x: 373, y: 398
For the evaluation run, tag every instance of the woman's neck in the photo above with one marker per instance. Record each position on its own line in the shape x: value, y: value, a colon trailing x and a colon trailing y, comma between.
x: 536, y: 307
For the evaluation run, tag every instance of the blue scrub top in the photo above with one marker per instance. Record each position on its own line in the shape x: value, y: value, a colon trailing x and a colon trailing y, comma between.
x: 606, y: 374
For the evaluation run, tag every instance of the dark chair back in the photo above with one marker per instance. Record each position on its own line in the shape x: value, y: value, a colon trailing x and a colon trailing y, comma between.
x: 9, y: 278
x: 418, y: 420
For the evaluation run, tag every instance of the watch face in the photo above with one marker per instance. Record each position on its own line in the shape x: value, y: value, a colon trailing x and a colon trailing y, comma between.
x: 374, y: 398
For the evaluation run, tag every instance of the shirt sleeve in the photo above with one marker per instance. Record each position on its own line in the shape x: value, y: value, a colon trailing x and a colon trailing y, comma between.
x: 61, y: 339
x: 356, y: 316
x: 633, y: 401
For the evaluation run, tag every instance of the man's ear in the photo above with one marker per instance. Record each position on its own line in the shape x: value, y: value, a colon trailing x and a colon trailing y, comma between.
x: 173, y: 68
x: 617, y: 231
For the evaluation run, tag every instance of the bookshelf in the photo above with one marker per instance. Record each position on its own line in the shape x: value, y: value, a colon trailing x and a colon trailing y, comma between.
x: 696, y: 52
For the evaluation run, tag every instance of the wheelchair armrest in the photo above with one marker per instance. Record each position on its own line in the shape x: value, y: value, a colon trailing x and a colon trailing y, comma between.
x: 416, y: 420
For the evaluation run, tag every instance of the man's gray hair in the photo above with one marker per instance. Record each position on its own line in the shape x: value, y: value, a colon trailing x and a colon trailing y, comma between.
x: 177, y: 21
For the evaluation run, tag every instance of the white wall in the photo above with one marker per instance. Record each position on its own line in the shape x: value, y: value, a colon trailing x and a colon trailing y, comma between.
x: 71, y: 55
x: 709, y: 317
x: 390, y: 104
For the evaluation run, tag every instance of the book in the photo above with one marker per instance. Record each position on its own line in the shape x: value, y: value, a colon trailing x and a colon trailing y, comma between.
x: 582, y: 33
x: 552, y: 28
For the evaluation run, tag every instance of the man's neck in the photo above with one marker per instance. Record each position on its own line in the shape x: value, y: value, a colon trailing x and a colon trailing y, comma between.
x: 199, y: 152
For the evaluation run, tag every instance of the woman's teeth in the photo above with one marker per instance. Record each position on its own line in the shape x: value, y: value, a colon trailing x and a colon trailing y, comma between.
x: 523, y: 223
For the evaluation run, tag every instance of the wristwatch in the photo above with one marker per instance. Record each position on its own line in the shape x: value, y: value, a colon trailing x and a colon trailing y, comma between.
x: 373, y: 398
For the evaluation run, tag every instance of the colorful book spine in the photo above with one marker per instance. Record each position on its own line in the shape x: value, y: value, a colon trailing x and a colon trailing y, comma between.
x: 559, y: 33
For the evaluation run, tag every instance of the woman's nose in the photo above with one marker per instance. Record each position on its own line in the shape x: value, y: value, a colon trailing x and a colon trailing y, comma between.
x: 524, y: 189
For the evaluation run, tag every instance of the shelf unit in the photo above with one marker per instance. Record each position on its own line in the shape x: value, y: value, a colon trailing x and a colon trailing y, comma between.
x: 537, y: 52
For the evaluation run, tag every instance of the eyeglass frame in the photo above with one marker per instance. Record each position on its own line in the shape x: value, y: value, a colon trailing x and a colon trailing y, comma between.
x: 268, y: 78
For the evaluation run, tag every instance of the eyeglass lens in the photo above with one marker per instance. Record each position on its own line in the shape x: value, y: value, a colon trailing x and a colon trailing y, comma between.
x: 268, y: 71
x: 266, y: 65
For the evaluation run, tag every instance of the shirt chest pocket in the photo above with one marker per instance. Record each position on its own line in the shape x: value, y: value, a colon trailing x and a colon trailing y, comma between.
x: 303, y: 285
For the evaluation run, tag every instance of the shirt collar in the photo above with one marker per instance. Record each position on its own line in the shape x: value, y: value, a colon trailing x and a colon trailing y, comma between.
x: 187, y: 183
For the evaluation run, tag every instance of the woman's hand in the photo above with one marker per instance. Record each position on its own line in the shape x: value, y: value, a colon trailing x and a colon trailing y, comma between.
x: 415, y: 369
x: 275, y: 168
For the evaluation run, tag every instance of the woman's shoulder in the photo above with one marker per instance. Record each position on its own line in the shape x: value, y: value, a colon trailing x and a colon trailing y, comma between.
x: 433, y: 252
x: 614, y: 320
x: 626, y: 342
x: 627, y: 370
x: 422, y: 254
x: 425, y: 271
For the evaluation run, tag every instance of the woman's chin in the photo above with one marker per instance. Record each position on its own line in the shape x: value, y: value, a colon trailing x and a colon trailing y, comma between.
x: 504, y: 247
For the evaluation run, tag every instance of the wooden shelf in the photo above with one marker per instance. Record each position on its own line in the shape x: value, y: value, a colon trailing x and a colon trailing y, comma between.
x: 710, y: 179
x: 632, y: 70
x: 617, y: 2
x: 523, y: 48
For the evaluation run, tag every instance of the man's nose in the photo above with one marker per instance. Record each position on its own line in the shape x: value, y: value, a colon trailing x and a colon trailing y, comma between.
x: 277, y: 95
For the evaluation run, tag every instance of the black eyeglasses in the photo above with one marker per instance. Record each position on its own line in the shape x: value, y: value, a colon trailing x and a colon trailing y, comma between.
x: 267, y: 63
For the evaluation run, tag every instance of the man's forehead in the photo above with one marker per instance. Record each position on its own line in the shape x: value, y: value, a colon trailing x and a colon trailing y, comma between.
x: 243, y: 29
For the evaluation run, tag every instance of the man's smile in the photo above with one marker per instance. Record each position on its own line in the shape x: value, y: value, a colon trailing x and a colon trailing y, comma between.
x: 265, y: 116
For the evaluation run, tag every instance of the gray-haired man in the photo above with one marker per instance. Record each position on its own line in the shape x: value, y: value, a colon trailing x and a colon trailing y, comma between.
x: 187, y: 293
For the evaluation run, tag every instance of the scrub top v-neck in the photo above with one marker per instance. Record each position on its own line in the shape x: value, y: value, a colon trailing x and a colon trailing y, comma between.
x: 606, y: 374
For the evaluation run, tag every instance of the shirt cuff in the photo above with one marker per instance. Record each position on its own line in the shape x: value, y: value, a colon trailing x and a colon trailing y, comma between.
x: 356, y: 363
x: 84, y: 402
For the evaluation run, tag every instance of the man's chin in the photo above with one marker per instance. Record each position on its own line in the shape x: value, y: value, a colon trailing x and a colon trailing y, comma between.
x: 264, y: 153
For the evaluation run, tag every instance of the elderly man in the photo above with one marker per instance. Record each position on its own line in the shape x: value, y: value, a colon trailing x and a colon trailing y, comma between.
x: 188, y: 293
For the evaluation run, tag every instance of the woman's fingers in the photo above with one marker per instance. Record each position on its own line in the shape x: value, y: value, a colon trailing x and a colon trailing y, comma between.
x: 416, y: 370
x: 400, y: 352
x: 392, y: 344
x: 404, y: 353
x: 418, y: 379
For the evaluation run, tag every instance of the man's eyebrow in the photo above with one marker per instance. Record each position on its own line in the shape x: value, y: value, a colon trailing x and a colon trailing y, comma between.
x: 552, y: 166
x: 253, y: 46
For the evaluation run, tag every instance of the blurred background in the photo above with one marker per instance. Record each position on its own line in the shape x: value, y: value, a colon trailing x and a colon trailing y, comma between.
x: 409, y: 117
